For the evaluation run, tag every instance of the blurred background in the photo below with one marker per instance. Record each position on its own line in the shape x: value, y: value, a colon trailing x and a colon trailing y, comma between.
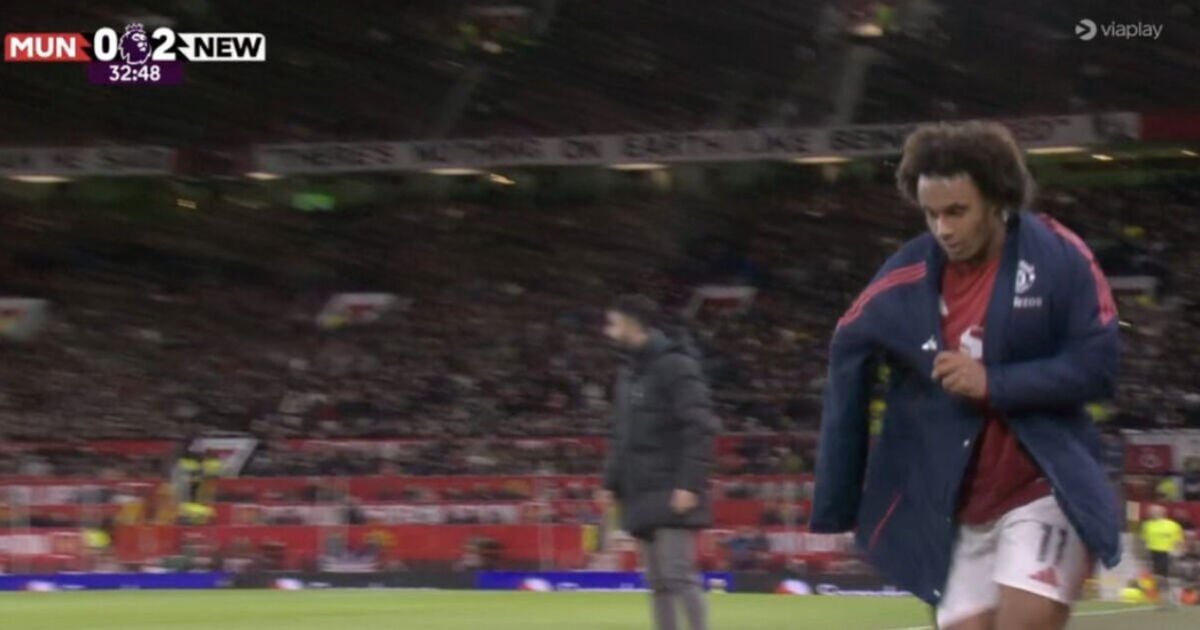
x: 337, y: 314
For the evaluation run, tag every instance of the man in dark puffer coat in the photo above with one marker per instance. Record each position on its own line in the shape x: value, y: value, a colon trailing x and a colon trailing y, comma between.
x: 661, y: 455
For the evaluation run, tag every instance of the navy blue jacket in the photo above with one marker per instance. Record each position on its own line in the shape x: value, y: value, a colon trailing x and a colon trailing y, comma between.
x: 1050, y: 346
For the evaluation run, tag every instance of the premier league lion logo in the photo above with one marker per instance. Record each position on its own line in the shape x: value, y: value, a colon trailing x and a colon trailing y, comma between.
x: 135, y: 46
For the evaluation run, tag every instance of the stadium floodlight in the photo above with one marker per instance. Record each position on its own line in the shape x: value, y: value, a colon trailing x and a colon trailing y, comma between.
x: 867, y: 29
x: 454, y: 171
x: 1054, y: 150
x: 1103, y: 157
x: 638, y: 166
x: 497, y: 178
x: 262, y: 176
x: 821, y: 159
x: 40, y: 179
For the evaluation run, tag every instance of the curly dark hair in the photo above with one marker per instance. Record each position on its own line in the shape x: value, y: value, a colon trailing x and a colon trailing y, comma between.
x: 986, y: 151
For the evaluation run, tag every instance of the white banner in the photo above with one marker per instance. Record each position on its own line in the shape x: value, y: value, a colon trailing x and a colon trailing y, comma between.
x: 439, y: 514
x: 79, y: 161
x: 349, y: 565
x: 330, y: 515
x: 750, y: 144
x: 233, y: 452
x: 24, y: 544
x: 27, y: 495
x: 806, y: 542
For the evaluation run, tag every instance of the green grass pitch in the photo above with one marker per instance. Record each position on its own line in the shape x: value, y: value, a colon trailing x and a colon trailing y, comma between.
x: 448, y: 610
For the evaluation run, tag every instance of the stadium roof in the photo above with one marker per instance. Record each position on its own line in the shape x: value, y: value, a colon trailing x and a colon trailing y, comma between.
x: 426, y: 69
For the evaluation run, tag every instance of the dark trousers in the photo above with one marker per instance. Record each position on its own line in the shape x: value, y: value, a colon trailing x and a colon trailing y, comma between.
x: 670, y: 558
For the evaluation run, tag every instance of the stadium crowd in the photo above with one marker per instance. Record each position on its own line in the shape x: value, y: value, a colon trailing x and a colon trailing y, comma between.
x: 491, y: 364
x: 500, y: 338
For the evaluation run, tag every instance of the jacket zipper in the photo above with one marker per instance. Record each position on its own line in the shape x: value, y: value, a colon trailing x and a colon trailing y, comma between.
x: 883, y: 522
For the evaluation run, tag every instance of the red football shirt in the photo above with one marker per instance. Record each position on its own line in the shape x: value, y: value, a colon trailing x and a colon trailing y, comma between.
x: 1001, y: 476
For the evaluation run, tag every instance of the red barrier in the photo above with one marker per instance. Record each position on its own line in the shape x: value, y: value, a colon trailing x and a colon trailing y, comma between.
x: 1173, y: 125
x: 568, y: 495
x: 41, y: 491
x: 726, y: 513
x: 300, y: 547
x: 1187, y: 511
x: 393, y: 488
x: 263, y: 489
x: 377, y: 445
x: 1149, y: 459
x: 725, y: 444
x: 73, y: 514
x: 411, y: 543
x: 366, y: 483
x: 41, y: 550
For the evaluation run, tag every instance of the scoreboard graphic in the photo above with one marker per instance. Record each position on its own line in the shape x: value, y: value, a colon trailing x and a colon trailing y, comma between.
x: 135, y: 57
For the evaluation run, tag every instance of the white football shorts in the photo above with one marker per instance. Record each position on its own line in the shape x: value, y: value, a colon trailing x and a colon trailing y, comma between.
x: 1033, y: 548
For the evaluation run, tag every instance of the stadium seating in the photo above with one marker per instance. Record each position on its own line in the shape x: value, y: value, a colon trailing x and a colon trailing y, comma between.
x: 502, y: 337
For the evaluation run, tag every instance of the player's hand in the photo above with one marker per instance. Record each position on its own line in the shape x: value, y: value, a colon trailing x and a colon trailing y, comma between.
x: 959, y: 374
x: 683, y: 501
x: 604, y: 497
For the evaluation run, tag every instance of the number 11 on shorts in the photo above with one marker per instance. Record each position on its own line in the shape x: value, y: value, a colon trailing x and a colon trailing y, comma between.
x: 1048, y: 531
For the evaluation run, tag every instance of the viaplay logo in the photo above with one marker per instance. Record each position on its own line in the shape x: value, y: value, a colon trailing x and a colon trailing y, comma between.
x: 1086, y: 30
